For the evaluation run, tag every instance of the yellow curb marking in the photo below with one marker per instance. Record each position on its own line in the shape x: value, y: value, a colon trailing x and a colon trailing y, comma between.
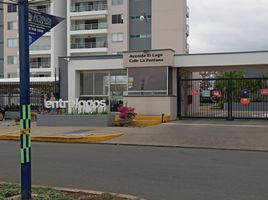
x: 64, y: 139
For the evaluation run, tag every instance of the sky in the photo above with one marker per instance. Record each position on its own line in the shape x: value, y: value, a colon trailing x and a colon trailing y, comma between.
x: 228, y: 25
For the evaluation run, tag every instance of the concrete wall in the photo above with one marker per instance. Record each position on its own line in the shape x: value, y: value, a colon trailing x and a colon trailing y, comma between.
x: 223, y: 61
x: 118, y: 28
x: 10, y: 68
x: 152, y: 105
x: 169, y: 25
x: 58, y: 36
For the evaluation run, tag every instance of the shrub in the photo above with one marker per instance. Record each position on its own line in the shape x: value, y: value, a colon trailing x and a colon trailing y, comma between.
x: 126, y: 114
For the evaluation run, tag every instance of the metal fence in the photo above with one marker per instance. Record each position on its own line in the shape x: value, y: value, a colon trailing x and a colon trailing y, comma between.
x: 10, y: 94
x: 236, y: 98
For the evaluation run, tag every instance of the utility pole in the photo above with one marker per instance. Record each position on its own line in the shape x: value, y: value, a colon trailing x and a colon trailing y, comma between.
x: 25, y: 106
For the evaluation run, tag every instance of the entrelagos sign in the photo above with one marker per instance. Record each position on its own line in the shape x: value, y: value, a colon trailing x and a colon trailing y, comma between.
x: 159, y: 58
x: 82, y: 106
x: 40, y: 23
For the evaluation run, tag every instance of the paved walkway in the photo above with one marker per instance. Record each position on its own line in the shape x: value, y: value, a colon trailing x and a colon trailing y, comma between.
x: 219, y: 134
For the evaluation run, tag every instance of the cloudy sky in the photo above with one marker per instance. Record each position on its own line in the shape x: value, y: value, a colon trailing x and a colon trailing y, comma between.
x: 228, y: 25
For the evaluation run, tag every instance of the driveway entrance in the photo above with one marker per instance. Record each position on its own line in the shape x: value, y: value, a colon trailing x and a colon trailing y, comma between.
x: 230, y: 98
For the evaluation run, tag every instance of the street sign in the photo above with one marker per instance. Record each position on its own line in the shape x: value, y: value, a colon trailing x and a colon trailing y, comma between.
x: 195, y: 92
x: 264, y: 92
x: 244, y: 92
x: 245, y: 101
x: 40, y: 23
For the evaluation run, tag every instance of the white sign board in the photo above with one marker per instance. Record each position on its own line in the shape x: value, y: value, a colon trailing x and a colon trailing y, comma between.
x: 82, y: 106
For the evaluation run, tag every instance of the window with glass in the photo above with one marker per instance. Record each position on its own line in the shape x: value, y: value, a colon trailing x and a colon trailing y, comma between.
x: 117, y: 37
x: 117, y: 19
x: 11, y: 60
x: 11, y: 8
x: 12, y: 43
x: 148, y: 81
x: 12, y: 25
x: 101, y: 85
x: 117, y: 2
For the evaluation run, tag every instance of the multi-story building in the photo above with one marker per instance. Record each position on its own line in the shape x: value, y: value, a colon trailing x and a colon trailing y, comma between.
x: 45, y: 51
x: 100, y: 27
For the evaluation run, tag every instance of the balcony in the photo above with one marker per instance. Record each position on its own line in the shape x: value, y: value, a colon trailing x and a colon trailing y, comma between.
x: 86, y: 8
x: 89, y: 45
x: 94, y: 26
x: 39, y: 65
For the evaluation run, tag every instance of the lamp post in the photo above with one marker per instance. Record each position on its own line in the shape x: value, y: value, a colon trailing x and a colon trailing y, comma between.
x: 144, y: 18
x: 25, y: 107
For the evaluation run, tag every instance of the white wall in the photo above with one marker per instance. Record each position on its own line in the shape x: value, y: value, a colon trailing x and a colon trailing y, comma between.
x: 153, y: 105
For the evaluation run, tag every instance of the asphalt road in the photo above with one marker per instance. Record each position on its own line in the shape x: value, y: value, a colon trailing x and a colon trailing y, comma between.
x: 151, y: 172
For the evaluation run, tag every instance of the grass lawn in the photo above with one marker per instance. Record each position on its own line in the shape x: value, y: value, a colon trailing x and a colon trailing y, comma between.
x: 40, y: 193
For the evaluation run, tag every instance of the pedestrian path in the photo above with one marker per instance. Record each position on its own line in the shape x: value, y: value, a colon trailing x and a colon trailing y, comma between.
x: 10, y: 131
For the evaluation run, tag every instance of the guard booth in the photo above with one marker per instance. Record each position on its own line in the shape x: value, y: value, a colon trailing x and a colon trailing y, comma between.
x: 231, y: 97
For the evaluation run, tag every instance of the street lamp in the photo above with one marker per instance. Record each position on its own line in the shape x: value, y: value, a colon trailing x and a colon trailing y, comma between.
x: 144, y: 18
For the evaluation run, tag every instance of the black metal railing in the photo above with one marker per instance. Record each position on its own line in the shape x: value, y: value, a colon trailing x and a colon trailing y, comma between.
x: 10, y: 94
x: 229, y: 98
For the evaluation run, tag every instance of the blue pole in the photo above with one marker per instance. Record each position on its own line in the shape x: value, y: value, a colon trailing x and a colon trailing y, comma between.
x: 25, y: 107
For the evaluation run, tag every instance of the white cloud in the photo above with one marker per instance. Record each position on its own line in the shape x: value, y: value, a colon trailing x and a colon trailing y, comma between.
x: 228, y: 25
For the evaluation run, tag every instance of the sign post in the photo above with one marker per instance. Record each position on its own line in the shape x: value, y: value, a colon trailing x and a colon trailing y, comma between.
x: 32, y: 25
x: 25, y: 107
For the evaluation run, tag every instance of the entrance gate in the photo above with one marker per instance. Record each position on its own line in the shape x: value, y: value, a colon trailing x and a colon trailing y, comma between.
x: 231, y: 98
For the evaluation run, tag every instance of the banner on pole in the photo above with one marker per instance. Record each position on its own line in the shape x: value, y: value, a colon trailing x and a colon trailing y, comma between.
x: 41, y: 23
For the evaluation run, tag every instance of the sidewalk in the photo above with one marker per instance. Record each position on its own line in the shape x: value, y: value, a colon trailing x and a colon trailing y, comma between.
x: 215, y: 134
x: 10, y: 131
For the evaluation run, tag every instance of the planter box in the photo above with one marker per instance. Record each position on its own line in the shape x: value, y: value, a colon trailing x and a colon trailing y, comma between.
x: 75, y: 120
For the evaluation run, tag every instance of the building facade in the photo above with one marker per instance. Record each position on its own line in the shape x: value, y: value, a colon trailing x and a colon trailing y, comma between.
x: 102, y: 27
x: 97, y: 27
x: 45, y: 51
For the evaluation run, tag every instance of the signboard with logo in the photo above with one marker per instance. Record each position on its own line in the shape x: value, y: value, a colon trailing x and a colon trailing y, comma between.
x: 195, y: 92
x: 81, y: 106
x: 245, y: 101
x: 153, y: 58
x: 40, y: 23
x: 216, y: 95
x: 264, y: 92
x: 205, y: 93
x: 244, y: 92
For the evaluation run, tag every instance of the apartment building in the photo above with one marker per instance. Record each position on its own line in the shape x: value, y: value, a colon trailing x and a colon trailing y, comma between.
x: 44, y: 52
x: 101, y: 27
x: 97, y: 27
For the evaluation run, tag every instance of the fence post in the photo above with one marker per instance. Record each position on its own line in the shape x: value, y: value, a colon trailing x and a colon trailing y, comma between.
x: 178, y: 94
x: 230, y: 99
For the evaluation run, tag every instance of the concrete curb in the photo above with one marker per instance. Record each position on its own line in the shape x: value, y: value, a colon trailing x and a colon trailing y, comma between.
x: 63, y: 139
x: 62, y: 189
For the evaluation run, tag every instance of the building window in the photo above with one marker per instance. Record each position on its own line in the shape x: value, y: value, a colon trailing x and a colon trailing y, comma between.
x: 117, y: 37
x: 11, y: 8
x: 12, y: 60
x: 12, y: 75
x: 117, y: 2
x: 12, y: 43
x: 148, y: 81
x: 117, y: 19
x: 141, y: 36
x: 12, y: 25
